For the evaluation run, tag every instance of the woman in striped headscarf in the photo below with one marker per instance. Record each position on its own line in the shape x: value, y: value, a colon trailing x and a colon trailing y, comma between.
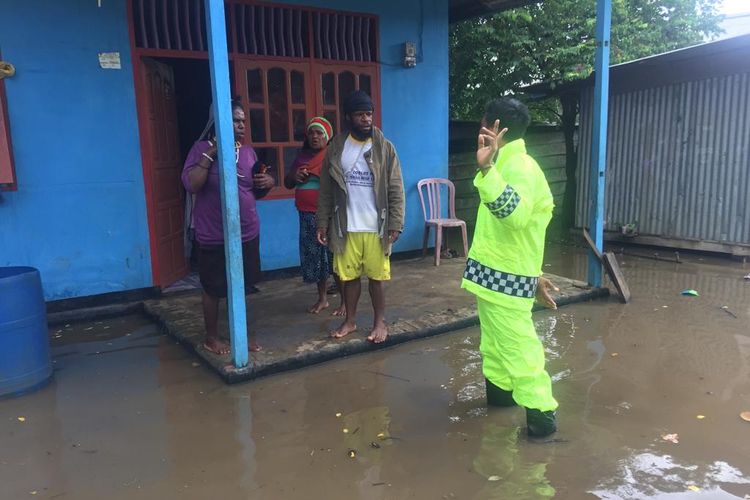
x: 316, y: 260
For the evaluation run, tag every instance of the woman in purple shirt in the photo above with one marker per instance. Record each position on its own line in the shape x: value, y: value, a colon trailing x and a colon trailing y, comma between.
x: 200, y: 176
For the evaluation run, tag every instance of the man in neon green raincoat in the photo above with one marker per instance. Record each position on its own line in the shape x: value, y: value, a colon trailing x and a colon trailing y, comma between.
x: 505, y: 263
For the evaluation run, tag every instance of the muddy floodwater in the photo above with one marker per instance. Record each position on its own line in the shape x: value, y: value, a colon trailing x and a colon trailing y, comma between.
x: 650, y: 396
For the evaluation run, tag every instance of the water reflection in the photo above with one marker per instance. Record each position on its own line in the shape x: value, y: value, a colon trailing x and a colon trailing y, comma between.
x: 647, y: 475
x: 509, y: 472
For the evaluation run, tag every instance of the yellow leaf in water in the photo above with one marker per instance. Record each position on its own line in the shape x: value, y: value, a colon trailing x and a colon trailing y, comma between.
x: 693, y: 487
x: 745, y: 415
x: 700, y: 417
x: 381, y: 435
x: 338, y: 415
x: 22, y: 419
x: 352, y: 453
x: 493, y: 478
x: 615, y: 354
x: 346, y: 431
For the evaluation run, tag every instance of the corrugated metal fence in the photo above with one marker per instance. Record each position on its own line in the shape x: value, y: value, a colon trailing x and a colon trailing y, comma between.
x: 678, y: 160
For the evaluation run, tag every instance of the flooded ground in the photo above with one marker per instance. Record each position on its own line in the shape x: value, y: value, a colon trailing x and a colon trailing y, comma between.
x: 650, y: 396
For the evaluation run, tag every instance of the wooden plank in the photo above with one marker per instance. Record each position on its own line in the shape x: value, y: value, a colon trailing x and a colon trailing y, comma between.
x: 466, y: 213
x: 461, y: 177
x: 557, y: 188
x: 464, y: 157
x: 467, y: 192
x: 612, y: 267
x: 467, y: 203
x: 550, y: 161
x: 535, y: 137
x: 547, y: 149
x: 550, y: 158
x: 555, y: 175
x: 461, y: 181
x: 615, y: 274
x: 592, y: 245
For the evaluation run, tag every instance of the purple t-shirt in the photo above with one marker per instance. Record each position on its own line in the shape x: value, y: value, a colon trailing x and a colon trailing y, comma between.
x: 209, y: 228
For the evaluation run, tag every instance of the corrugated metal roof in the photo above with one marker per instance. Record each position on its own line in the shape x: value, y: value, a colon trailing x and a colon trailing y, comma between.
x: 699, y: 51
x: 460, y: 10
x: 707, y: 60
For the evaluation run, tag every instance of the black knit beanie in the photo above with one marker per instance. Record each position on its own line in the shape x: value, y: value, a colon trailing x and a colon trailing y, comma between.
x: 357, y: 101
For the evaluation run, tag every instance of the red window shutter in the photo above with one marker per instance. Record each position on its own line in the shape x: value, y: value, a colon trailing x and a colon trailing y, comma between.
x: 7, y: 174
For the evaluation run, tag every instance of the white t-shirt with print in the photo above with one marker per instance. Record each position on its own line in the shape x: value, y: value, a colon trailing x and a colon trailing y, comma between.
x: 361, y: 208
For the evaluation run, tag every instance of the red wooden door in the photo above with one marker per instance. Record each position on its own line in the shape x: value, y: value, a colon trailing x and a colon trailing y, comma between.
x: 162, y: 169
x: 7, y: 175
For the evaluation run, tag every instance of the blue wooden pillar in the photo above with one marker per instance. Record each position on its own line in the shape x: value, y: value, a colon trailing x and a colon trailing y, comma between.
x: 599, y: 139
x: 230, y: 210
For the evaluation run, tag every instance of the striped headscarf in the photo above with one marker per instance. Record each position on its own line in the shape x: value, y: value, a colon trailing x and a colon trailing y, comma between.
x: 323, y: 125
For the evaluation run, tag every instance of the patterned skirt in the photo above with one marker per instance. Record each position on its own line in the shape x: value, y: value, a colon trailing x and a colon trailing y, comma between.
x: 316, y: 260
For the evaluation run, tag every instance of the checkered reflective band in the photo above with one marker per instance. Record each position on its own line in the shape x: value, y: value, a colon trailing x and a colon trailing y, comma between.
x: 505, y: 204
x: 498, y: 281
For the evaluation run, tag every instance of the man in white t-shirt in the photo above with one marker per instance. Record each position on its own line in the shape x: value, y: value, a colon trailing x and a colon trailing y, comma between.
x: 361, y: 211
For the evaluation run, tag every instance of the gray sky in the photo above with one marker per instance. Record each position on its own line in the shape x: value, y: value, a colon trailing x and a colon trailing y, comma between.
x: 735, y: 7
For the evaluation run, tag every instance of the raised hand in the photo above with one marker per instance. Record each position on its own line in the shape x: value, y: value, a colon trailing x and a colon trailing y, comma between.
x: 488, y: 143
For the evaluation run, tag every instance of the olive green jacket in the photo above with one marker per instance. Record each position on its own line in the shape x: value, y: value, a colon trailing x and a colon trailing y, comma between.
x: 388, y: 185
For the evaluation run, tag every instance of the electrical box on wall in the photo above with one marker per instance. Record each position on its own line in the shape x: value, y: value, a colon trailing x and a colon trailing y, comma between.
x: 410, y: 54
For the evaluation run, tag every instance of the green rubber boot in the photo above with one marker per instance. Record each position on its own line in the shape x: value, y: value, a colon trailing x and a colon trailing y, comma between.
x: 540, y: 423
x: 497, y: 396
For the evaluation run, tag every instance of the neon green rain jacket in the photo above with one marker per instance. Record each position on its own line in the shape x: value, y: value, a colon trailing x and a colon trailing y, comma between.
x: 505, y: 260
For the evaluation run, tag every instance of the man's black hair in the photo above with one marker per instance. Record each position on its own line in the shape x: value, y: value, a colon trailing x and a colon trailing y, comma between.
x: 513, y: 115
x: 237, y: 104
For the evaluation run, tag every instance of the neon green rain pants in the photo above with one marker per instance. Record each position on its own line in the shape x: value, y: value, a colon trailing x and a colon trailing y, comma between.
x: 513, y: 356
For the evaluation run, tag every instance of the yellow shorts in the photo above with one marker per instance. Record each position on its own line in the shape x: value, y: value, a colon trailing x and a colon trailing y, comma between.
x: 363, y: 254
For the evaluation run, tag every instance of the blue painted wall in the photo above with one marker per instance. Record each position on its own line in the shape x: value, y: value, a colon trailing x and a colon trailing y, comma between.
x: 79, y: 214
x: 415, y: 115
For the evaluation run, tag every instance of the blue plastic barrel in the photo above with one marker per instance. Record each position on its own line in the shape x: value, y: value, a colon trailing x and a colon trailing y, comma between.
x: 24, y: 342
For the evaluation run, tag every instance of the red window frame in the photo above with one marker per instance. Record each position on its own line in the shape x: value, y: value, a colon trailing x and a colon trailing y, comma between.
x: 7, y: 170
x: 324, y: 107
x: 267, y: 144
x: 315, y: 104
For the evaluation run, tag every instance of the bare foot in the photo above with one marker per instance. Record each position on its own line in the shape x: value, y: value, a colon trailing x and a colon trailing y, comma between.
x: 254, y: 347
x: 344, y: 330
x: 216, y: 346
x: 340, y: 311
x: 318, y: 306
x: 378, y: 334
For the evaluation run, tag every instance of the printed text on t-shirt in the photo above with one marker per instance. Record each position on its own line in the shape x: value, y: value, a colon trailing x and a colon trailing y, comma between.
x: 360, y: 178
